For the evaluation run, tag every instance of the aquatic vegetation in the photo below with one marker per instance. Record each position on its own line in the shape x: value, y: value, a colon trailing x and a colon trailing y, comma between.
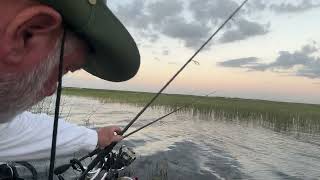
x: 279, y: 116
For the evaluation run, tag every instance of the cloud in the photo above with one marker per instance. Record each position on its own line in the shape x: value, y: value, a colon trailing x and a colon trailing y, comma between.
x: 294, y: 7
x: 190, y: 22
x: 288, y: 60
x: 244, y: 29
x: 165, y: 52
x: 159, y: 11
x: 302, y: 62
x: 310, y: 48
x: 257, y: 5
x: 281, y: 7
x: 205, y: 11
x: 311, y: 70
x: 133, y: 14
x: 239, y: 63
x: 214, y: 11
x: 192, y: 34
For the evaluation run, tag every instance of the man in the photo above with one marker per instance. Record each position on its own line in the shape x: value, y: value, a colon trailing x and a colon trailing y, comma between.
x: 30, y: 42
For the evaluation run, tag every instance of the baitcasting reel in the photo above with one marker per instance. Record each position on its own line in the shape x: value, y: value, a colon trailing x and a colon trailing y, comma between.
x: 107, y: 169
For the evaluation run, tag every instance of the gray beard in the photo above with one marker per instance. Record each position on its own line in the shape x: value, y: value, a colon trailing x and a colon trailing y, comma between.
x: 20, y: 91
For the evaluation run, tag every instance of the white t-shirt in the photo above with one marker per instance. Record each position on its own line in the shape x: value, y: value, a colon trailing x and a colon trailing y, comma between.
x: 29, y: 136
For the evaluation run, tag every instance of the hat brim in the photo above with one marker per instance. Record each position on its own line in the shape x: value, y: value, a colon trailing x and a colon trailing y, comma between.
x: 114, y: 55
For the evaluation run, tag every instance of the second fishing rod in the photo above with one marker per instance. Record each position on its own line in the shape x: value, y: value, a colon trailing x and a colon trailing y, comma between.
x: 101, y: 154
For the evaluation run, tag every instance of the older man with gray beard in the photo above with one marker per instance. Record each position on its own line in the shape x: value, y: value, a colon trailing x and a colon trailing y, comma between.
x: 30, y: 40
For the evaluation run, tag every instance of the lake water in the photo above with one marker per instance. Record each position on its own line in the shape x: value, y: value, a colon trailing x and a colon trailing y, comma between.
x: 184, y: 146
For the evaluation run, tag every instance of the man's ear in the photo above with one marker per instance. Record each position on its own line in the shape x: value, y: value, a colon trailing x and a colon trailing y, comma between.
x: 34, y: 28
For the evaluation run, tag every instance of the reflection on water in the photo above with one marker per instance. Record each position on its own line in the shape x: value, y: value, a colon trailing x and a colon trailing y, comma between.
x: 189, y: 146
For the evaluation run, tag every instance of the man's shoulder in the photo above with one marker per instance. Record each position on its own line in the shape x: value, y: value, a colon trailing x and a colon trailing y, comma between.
x: 25, y: 122
x: 24, y: 114
x: 31, y: 119
x: 29, y: 115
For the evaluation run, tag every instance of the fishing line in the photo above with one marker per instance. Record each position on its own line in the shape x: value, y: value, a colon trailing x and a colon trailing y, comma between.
x: 182, y: 68
x: 150, y: 123
x: 109, y: 148
x: 162, y: 117
x: 56, y: 114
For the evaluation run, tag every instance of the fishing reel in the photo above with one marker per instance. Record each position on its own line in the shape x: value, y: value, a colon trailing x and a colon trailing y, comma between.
x: 107, y: 169
x: 125, y: 157
x: 14, y: 171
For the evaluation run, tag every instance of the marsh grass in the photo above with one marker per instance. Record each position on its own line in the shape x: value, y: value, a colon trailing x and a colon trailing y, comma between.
x: 279, y: 116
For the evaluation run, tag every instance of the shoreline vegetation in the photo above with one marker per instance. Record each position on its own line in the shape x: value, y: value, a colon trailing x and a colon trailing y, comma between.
x: 279, y: 116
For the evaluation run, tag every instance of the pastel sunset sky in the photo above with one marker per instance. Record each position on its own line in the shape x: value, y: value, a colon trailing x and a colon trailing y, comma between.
x: 270, y: 50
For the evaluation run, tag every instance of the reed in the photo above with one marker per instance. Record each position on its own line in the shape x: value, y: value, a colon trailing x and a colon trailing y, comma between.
x: 280, y: 116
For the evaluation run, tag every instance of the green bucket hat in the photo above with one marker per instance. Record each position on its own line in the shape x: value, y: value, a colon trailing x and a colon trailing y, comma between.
x: 114, y: 55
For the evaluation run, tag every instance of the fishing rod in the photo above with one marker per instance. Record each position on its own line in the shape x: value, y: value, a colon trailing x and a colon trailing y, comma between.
x: 63, y: 168
x: 182, y: 68
x: 109, y: 148
x: 57, y: 107
x: 152, y: 122
x: 162, y: 117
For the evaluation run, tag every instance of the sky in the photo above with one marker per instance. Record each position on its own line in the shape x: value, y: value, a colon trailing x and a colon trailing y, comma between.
x: 270, y: 50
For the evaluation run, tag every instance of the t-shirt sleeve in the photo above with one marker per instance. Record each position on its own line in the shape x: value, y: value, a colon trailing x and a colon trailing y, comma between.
x: 29, y: 137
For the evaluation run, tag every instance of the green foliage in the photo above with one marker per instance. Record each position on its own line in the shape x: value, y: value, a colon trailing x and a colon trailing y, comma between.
x: 279, y: 116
